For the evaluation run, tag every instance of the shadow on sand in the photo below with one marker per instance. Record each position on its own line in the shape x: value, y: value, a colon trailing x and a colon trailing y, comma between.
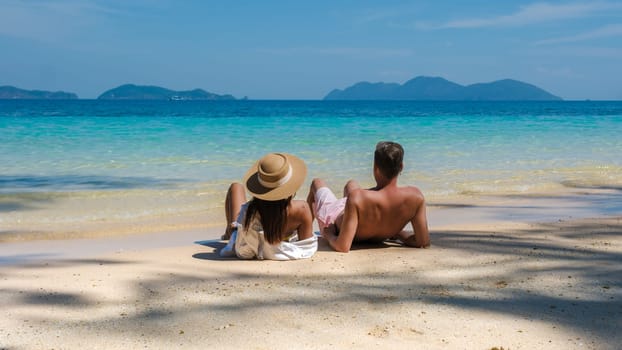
x: 580, y: 264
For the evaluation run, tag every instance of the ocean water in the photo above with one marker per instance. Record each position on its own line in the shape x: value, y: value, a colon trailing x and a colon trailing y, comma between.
x: 73, y: 162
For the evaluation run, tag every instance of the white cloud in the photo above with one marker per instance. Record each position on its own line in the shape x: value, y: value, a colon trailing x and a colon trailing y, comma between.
x: 534, y: 13
x: 611, y: 30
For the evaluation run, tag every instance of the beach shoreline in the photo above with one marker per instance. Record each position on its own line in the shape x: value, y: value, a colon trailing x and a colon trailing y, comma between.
x: 81, y: 216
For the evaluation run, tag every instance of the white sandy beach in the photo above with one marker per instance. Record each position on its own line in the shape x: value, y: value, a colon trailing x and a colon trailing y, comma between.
x: 494, y: 280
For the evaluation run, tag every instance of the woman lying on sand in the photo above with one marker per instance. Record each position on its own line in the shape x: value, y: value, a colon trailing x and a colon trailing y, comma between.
x: 271, y: 225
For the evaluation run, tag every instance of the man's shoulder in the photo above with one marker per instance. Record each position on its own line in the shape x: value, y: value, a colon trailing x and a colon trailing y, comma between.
x: 361, y: 197
x: 408, y: 195
x: 411, y: 190
x: 357, y: 195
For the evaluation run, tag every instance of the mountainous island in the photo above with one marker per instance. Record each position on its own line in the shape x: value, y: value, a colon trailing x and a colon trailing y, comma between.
x: 143, y: 92
x: 13, y: 93
x: 436, y: 89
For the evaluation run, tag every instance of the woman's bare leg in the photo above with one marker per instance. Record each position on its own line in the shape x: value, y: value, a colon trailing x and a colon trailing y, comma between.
x: 233, y: 202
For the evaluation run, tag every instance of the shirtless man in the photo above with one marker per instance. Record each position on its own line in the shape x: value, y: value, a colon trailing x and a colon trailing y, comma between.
x: 375, y: 214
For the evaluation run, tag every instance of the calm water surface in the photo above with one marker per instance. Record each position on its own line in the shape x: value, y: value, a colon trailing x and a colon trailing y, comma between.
x: 100, y: 149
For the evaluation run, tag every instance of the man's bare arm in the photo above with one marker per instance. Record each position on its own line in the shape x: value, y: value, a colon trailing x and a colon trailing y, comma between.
x: 343, y: 242
x: 421, y: 236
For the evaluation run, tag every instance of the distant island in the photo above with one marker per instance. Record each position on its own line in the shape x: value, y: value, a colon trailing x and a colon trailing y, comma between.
x: 142, y: 92
x: 436, y: 88
x: 13, y: 93
x: 421, y: 88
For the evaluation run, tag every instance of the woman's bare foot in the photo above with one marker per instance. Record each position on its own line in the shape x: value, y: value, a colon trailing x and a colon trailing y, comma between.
x: 227, y: 235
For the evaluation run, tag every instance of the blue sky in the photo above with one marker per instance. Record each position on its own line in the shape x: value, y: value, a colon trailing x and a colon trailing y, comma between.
x: 302, y: 50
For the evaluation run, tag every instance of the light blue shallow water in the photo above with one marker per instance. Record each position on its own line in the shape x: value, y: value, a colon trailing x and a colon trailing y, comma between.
x: 119, y: 166
x: 451, y: 147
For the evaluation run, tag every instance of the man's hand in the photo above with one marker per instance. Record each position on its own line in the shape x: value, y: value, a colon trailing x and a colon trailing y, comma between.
x: 409, y: 238
x: 330, y: 232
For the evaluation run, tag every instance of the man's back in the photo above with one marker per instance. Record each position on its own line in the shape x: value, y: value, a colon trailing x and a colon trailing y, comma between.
x: 383, y: 214
x: 380, y: 213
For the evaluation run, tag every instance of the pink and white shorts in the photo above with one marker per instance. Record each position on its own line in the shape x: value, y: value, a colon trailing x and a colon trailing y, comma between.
x: 327, y: 207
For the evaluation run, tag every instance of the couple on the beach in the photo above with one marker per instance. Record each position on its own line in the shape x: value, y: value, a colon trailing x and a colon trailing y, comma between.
x: 274, y: 226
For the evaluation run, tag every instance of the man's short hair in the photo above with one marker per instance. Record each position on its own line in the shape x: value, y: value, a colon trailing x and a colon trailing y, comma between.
x: 388, y: 158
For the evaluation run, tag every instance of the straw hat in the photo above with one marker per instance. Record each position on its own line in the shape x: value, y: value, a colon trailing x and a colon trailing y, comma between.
x: 275, y: 176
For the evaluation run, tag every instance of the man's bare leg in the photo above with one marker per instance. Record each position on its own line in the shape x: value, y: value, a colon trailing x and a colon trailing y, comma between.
x: 233, y: 202
x: 316, y: 184
x: 350, y: 186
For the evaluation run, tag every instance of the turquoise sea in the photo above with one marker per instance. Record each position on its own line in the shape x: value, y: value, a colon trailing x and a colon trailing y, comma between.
x: 121, y: 160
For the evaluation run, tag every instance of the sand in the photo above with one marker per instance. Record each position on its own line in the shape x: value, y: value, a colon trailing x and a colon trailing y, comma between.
x: 489, y: 280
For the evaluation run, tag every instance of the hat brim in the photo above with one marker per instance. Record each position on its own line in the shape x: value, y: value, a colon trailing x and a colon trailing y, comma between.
x: 299, y: 173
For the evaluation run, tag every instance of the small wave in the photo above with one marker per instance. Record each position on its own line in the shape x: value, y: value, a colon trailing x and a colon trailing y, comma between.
x: 38, y: 183
x: 591, y: 185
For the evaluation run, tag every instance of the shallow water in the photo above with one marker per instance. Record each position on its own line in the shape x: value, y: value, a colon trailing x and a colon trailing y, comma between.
x: 90, y: 161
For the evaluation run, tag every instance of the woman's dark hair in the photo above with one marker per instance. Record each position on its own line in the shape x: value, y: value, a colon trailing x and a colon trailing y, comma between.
x: 272, y: 215
x: 388, y: 157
